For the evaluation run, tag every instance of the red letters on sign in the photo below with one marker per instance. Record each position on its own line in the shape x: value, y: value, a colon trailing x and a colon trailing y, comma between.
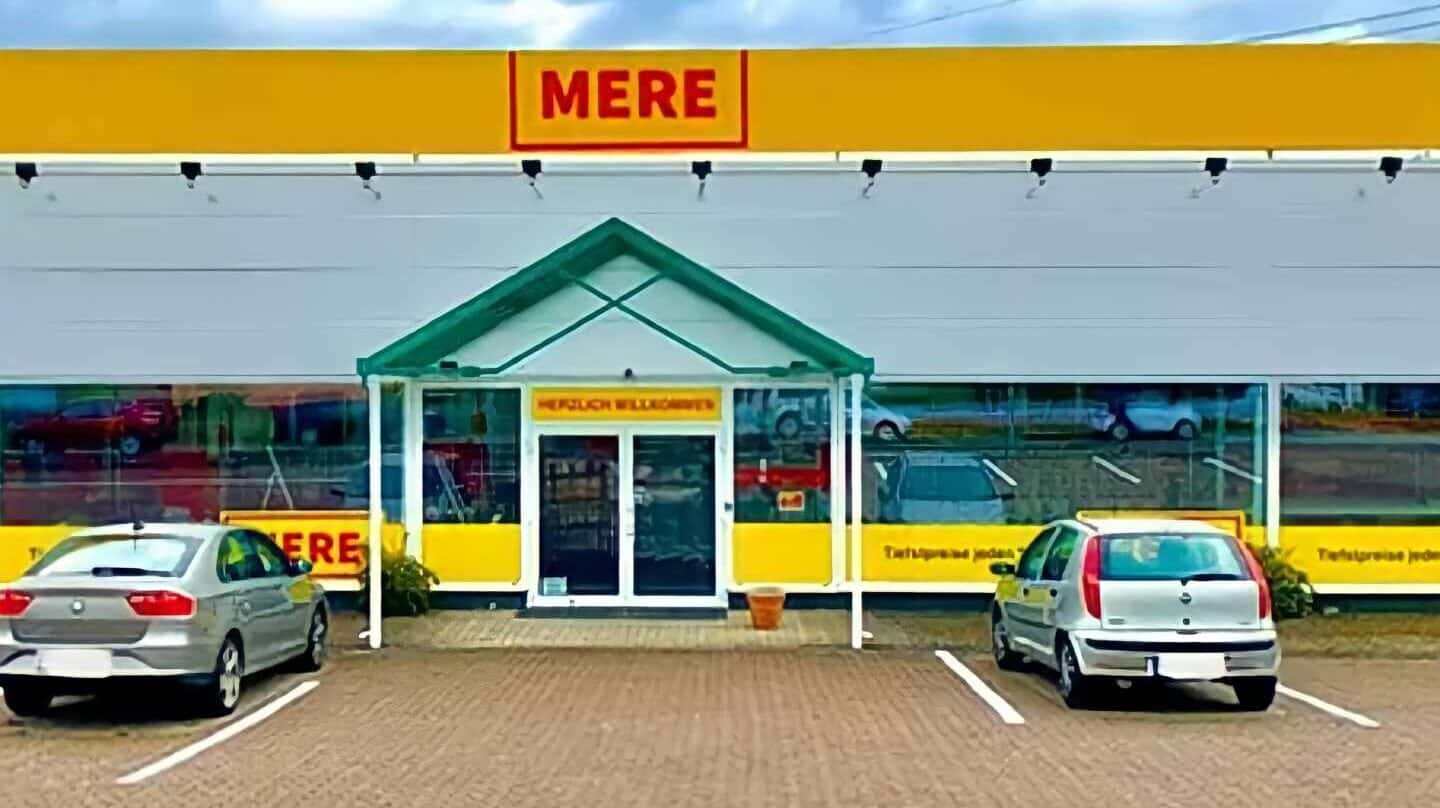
x: 290, y: 543
x: 700, y: 86
x: 657, y: 89
x: 562, y: 99
x: 655, y: 92
x: 350, y: 548
x: 321, y: 544
x: 612, y: 93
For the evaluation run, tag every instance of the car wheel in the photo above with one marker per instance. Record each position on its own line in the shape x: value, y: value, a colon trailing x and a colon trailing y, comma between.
x: 1005, y: 659
x: 887, y: 431
x: 1186, y: 430
x: 317, y: 645
x: 1255, y: 694
x: 788, y: 426
x: 1119, y: 431
x: 1075, y: 687
x: 28, y: 701
x: 220, y: 693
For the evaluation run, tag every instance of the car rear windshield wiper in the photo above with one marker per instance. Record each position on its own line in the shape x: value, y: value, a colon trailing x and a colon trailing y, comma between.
x: 126, y: 572
x: 1212, y: 576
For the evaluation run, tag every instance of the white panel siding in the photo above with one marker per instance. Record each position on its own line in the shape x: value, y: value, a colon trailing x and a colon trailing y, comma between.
x: 1296, y: 271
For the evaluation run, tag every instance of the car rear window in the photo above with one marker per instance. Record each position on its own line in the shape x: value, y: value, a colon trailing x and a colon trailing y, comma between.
x: 119, y: 556
x: 947, y: 484
x: 1170, y: 557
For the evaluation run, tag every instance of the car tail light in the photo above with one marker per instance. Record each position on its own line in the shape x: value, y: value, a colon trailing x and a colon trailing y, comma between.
x: 161, y: 603
x: 13, y: 602
x: 1257, y: 573
x: 1090, y: 577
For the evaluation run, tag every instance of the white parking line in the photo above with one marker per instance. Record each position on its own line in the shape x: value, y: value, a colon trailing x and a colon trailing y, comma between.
x: 182, y: 755
x: 1338, y: 712
x: 1001, y: 707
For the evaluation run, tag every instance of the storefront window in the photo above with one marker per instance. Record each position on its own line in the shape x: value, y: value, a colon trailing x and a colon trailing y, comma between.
x: 782, y: 454
x: 1360, y: 454
x: 472, y: 456
x: 84, y: 455
x: 1031, y: 453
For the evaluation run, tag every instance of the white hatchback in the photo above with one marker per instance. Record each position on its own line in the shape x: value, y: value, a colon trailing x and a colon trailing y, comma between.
x: 1132, y: 599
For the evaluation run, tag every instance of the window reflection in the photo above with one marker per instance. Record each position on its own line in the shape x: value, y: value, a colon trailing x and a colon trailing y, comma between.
x: 85, y: 455
x: 472, y: 455
x: 782, y: 454
x: 1030, y: 453
x: 1360, y: 454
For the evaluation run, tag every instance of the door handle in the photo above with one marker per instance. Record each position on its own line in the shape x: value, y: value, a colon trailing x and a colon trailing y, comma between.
x: 245, y: 607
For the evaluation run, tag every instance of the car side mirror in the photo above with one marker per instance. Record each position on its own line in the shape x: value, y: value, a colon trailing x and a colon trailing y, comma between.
x: 1002, y: 569
x: 300, y: 566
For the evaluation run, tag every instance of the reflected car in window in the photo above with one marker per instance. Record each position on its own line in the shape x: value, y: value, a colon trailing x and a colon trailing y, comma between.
x: 128, y: 427
x: 941, y: 488
x: 191, y: 605
x: 1146, y: 415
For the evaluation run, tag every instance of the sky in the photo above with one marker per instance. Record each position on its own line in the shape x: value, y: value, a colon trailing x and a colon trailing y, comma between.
x: 509, y: 24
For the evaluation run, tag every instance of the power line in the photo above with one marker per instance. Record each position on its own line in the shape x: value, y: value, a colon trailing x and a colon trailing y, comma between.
x: 949, y: 15
x: 1312, y: 29
x: 1406, y: 29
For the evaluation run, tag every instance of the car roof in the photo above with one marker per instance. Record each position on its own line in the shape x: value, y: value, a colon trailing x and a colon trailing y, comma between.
x: 195, y: 530
x: 934, y: 458
x: 1119, y: 526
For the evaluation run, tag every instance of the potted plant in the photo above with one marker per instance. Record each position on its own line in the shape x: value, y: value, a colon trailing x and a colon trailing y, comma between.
x: 766, y: 604
x: 404, y: 586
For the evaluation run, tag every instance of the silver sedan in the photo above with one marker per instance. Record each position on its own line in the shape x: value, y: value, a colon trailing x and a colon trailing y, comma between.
x: 199, y: 606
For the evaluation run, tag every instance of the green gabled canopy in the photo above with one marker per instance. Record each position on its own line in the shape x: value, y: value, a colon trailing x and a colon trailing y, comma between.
x: 420, y: 352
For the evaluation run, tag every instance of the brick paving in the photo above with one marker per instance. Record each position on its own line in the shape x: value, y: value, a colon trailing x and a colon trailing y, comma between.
x: 477, y: 629
x: 757, y: 728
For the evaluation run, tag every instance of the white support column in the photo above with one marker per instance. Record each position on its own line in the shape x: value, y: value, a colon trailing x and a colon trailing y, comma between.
x: 413, y: 469
x: 855, y: 464
x: 377, y: 508
x: 837, y: 484
x: 1273, y: 413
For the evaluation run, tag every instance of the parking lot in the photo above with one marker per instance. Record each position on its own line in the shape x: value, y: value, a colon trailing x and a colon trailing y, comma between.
x: 809, y: 727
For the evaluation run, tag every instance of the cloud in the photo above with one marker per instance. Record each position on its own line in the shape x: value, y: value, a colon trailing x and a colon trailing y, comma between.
x: 665, y: 23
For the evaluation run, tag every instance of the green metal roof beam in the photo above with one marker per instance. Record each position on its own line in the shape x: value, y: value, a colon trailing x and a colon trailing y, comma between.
x: 462, y: 325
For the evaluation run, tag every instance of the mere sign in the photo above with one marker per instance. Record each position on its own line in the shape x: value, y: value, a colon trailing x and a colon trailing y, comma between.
x: 616, y: 101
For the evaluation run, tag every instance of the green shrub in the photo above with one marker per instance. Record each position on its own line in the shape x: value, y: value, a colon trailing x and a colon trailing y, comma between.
x: 404, y: 587
x: 1290, y: 592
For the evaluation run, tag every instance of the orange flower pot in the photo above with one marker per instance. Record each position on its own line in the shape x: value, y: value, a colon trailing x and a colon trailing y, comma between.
x: 766, y: 605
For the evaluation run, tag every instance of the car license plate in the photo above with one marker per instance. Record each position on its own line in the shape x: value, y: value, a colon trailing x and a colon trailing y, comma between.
x: 75, y: 663
x: 1189, y: 666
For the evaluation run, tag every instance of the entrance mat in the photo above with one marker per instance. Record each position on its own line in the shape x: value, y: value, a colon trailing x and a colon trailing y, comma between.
x: 621, y: 612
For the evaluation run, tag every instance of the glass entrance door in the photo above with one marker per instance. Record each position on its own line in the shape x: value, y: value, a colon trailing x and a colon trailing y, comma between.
x: 674, y: 489
x: 627, y: 517
x: 579, y: 515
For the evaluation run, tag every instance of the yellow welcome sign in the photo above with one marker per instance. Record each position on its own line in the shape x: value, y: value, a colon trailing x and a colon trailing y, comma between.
x: 626, y: 404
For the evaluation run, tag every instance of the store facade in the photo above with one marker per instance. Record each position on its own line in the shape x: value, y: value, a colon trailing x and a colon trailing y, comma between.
x: 663, y: 379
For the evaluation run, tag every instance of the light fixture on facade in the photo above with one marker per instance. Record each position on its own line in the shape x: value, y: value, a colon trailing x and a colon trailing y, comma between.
x: 1041, y: 168
x: 532, y: 169
x: 701, y: 169
x: 366, y: 172
x: 871, y: 168
x: 26, y: 173
x: 1391, y: 167
x: 1215, y: 167
x: 191, y: 172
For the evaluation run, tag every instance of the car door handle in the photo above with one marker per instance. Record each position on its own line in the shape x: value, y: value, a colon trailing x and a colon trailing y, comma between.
x: 245, y: 607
